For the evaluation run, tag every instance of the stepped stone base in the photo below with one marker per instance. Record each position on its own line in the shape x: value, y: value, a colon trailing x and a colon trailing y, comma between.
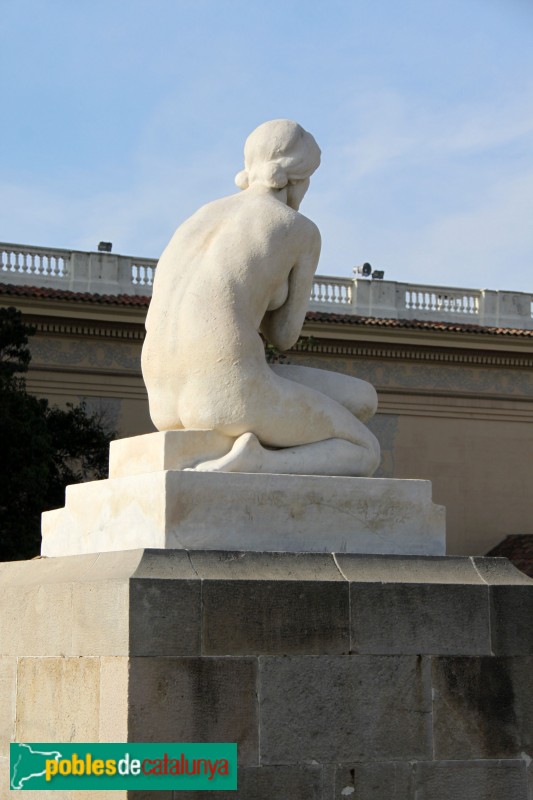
x: 347, y: 676
x: 151, y: 500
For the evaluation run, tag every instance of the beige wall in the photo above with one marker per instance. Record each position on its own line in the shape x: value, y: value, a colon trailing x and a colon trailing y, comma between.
x: 89, y: 351
x: 105, y: 374
x: 455, y: 408
x: 479, y: 470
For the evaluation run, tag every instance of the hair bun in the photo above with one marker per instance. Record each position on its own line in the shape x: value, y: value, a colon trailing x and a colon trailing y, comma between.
x: 241, y: 179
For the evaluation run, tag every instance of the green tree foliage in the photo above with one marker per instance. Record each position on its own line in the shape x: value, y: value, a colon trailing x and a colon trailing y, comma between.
x: 273, y: 355
x: 42, y: 448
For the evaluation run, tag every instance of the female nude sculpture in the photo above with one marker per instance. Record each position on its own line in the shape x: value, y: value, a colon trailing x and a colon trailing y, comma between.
x: 241, y: 266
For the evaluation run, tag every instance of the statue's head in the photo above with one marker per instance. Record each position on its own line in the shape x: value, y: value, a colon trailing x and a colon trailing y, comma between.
x: 280, y: 154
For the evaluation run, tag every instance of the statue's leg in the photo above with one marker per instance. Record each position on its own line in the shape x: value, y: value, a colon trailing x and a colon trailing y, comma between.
x: 318, y: 435
x: 330, y: 457
x: 356, y: 395
x: 284, y: 413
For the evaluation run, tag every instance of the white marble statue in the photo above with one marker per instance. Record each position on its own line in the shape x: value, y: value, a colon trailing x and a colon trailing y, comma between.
x: 243, y: 266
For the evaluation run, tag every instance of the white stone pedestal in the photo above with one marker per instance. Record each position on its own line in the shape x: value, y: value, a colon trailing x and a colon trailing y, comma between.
x: 151, y: 502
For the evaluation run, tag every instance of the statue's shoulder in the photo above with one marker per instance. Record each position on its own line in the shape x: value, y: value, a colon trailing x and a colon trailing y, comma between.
x: 215, y: 207
x: 309, y: 224
x: 300, y: 228
x: 293, y: 218
x: 308, y: 227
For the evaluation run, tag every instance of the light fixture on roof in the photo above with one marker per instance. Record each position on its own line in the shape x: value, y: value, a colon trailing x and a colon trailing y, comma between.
x: 105, y: 247
x: 365, y: 270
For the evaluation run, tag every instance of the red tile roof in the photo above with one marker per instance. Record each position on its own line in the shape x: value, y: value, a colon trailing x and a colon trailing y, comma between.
x: 82, y: 297
x: 458, y: 327
x: 142, y: 301
x: 518, y: 549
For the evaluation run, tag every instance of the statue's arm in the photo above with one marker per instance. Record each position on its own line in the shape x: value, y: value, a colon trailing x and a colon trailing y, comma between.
x: 283, y: 326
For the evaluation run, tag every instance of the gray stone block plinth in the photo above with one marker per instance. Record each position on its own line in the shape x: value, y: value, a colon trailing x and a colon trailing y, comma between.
x: 344, y: 708
x: 341, y: 677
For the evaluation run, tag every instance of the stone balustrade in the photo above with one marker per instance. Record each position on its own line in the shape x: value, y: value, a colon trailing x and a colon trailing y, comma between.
x: 109, y: 273
x: 75, y: 270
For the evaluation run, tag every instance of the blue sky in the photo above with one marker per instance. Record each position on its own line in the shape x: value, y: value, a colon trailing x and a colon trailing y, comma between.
x: 121, y: 118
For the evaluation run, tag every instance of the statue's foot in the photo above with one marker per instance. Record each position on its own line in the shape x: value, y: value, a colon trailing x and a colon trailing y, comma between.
x: 328, y: 457
x: 246, y: 455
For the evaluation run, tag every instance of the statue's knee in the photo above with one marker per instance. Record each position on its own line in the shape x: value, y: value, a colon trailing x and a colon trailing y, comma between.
x: 373, y: 455
x: 369, y: 402
x: 372, y: 399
